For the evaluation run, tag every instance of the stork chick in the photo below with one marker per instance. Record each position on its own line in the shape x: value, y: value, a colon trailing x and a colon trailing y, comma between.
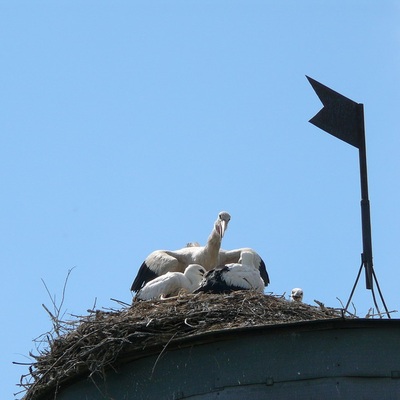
x: 234, y: 256
x: 297, y: 295
x: 171, y: 283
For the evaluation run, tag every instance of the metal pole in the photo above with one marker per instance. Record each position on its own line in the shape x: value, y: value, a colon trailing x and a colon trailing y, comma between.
x: 354, y: 287
x: 365, y: 208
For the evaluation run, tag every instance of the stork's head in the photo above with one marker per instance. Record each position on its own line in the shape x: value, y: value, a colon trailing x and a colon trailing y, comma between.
x: 221, y: 224
x: 195, y: 270
x: 246, y: 258
x: 297, y: 294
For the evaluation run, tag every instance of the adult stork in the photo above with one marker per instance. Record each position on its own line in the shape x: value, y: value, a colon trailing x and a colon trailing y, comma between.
x: 234, y: 256
x: 160, y: 262
x: 237, y: 276
x: 171, y: 283
x: 296, y: 295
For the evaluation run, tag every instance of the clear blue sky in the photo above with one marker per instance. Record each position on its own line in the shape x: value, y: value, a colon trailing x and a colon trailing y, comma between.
x: 127, y: 126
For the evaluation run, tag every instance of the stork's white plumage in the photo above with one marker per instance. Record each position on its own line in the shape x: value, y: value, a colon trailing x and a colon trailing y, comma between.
x: 236, y: 276
x: 160, y: 262
x: 234, y: 256
x: 297, y: 295
x: 171, y: 283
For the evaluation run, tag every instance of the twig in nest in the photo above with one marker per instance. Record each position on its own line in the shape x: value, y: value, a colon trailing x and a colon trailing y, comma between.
x: 161, y: 353
x: 150, y: 320
x: 57, y: 310
x: 122, y: 303
x: 192, y: 326
x: 371, y: 314
x: 322, y: 305
x: 54, y: 320
x: 340, y: 301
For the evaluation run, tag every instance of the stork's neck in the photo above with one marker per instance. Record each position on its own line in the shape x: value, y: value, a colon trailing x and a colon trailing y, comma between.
x: 214, y: 239
x: 213, y: 244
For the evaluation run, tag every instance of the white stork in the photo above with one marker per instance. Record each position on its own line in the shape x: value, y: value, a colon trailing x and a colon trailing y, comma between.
x: 236, y: 276
x: 297, y: 295
x: 160, y: 262
x: 171, y: 283
x: 234, y: 256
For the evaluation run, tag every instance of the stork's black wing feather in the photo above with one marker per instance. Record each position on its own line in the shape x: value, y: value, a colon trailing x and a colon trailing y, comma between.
x: 264, y: 273
x: 144, y: 275
x: 214, y: 282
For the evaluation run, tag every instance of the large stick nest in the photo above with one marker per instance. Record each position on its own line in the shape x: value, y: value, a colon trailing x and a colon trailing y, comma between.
x: 103, y: 339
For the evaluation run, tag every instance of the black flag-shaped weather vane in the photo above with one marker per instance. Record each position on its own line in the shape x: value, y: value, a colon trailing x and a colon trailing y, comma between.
x: 344, y: 119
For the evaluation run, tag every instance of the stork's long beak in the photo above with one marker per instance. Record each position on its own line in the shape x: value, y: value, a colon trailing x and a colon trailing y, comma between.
x: 223, y: 227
